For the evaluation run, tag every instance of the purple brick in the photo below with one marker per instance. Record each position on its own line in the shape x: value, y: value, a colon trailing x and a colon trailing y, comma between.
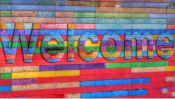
x: 3, y: 32
x: 35, y: 32
x: 19, y: 32
x: 74, y: 67
x: 71, y: 67
x: 63, y: 67
x: 100, y: 66
x: 81, y: 43
x: 47, y: 68
x: 23, y: 81
x: 111, y: 43
x: 151, y: 42
x: 118, y: 43
x: 139, y: 43
x: 127, y: 42
x: 146, y: 42
x: 103, y: 43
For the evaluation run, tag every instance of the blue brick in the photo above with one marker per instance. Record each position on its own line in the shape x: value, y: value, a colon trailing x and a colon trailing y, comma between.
x: 5, y: 88
x: 75, y: 8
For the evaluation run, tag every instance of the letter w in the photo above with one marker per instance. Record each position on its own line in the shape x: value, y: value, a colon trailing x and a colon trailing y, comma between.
x: 21, y: 29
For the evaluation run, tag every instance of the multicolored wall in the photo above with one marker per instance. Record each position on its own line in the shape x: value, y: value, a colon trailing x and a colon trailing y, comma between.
x: 87, y: 48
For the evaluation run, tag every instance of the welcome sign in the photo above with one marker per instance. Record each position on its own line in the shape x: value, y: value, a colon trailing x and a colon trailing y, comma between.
x: 87, y: 49
x: 71, y: 37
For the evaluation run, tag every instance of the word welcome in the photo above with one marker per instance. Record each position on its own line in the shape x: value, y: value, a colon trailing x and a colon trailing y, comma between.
x: 28, y: 51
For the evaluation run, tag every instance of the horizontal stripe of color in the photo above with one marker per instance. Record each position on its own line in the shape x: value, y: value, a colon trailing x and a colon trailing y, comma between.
x: 137, y: 64
x: 114, y: 93
x: 46, y: 8
x: 114, y: 82
x: 71, y: 67
x: 45, y: 74
x: 95, y: 31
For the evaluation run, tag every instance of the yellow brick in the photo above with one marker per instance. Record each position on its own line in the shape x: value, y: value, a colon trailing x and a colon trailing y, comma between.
x: 139, y: 53
x: 150, y: 53
x: 3, y: 26
x: 52, y: 42
x: 167, y: 40
x: 127, y: 53
x: 155, y: 37
x: 169, y: 53
x: 170, y: 68
x: 89, y: 43
x: 115, y: 54
x: 84, y: 55
x: 36, y: 25
x: 39, y: 43
x: 71, y: 26
x: 19, y: 26
x: 45, y: 74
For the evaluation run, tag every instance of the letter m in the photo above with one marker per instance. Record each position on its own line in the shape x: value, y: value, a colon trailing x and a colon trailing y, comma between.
x: 139, y: 39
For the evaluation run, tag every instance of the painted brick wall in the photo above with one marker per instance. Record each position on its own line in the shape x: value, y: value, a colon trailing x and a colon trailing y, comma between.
x: 87, y: 48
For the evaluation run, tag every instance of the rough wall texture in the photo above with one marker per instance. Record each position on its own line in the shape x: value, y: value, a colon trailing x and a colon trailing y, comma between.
x: 87, y: 48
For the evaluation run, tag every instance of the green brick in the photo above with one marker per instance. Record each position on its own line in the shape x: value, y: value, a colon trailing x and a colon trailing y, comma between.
x: 5, y: 13
x: 58, y: 51
x: 133, y: 48
x: 84, y: 15
x: 37, y: 50
x: 1, y: 45
x: 140, y: 15
x: 6, y: 75
x: 96, y: 3
x: 53, y: 2
x: 137, y: 64
x: 45, y: 44
x: 44, y: 2
x: 31, y: 44
x: 14, y: 44
x: 109, y: 15
x: 70, y: 43
x: 5, y: 1
x: 122, y: 15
